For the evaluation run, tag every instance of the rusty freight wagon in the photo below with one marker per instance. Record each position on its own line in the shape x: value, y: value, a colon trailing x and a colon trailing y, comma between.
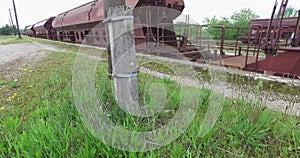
x: 44, y: 29
x: 29, y: 30
x: 85, y: 23
x: 287, y: 30
x: 153, y: 24
x: 272, y: 46
x: 277, y: 46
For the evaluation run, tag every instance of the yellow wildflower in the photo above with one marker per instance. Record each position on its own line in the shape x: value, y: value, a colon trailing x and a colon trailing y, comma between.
x: 2, y: 108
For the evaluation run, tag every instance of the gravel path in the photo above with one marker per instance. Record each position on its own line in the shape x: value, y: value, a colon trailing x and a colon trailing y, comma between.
x: 12, y: 52
x: 232, y: 91
x: 23, y: 51
x: 13, y: 57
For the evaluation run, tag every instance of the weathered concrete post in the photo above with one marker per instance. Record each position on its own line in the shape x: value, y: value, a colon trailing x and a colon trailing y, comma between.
x: 120, y: 24
x: 110, y: 4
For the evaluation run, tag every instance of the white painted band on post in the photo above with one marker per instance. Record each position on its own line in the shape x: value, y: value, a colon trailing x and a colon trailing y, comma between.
x: 119, y: 18
x: 133, y: 75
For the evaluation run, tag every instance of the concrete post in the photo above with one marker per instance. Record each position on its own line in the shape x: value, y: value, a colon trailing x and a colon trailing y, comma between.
x: 120, y: 23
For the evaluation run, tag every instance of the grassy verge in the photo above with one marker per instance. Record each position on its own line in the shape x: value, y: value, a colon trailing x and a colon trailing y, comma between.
x: 5, y: 40
x: 69, y: 47
x: 283, y: 91
x: 38, y: 118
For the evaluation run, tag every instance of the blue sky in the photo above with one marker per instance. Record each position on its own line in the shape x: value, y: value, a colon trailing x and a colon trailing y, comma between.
x: 32, y: 11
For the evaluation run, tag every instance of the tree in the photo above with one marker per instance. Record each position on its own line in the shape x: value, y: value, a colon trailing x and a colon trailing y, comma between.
x: 290, y: 12
x: 223, y: 21
x: 243, y: 17
x: 7, y: 30
x: 240, y: 18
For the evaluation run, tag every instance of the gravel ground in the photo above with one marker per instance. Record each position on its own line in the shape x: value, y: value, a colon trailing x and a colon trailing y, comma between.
x: 269, y: 99
x: 12, y: 52
x: 13, y: 57
x: 24, y: 51
x: 240, y: 92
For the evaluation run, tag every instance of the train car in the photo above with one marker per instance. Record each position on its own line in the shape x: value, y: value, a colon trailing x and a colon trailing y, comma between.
x: 153, y: 20
x: 44, y: 29
x: 74, y: 25
x: 281, y: 59
x: 288, y: 27
x: 280, y: 43
x: 85, y: 23
x: 29, y: 31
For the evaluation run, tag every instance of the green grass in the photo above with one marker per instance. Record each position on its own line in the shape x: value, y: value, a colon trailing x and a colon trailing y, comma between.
x: 285, y: 91
x: 41, y: 120
x: 6, y: 40
x: 67, y: 47
x: 3, y: 82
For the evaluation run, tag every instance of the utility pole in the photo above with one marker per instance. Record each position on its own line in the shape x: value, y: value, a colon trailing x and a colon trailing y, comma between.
x: 120, y: 25
x: 9, y: 22
x: 19, y: 33
x: 11, y: 26
x: 12, y: 22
